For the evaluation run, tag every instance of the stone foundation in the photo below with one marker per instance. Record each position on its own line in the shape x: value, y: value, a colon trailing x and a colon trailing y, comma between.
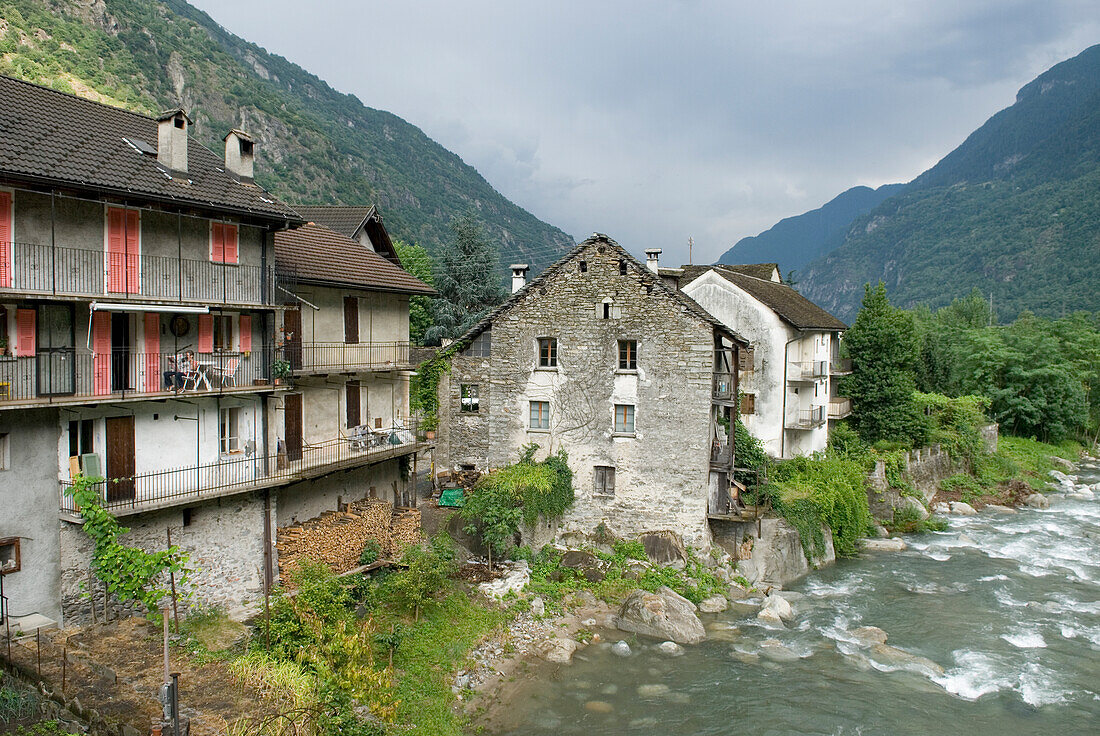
x: 769, y: 552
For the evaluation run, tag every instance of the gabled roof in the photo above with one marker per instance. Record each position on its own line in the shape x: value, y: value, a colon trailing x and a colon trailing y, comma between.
x: 350, y: 221
x: 56, y: 138
x: 314, y: 253
x: 648, y: 276
x: 793, y: 308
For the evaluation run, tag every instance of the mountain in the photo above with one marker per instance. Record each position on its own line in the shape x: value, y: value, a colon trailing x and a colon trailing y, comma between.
x: 796, y: 241
x: 1013, y: 211
x: 315, y: 145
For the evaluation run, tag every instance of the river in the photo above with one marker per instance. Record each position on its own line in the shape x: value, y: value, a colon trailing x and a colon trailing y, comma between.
x: 1007, y: 605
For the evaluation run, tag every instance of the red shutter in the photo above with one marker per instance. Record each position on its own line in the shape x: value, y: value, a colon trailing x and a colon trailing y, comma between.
x: 116, y: 251
x: 6, y: 245
x: 244, y: 340
x: 133, y: 252
x: 152, y: 352
x: 230, y: 251
x: 101, y: 347
x: 206, y: 333
x: 24, y: 332
x: 217, y: 242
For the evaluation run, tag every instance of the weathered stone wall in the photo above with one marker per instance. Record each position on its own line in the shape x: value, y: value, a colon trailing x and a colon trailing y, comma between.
x: 770, y: 552
x: 924, y: 468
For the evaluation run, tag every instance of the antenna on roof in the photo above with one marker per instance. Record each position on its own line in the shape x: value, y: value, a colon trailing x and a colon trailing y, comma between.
x: 691, y: 243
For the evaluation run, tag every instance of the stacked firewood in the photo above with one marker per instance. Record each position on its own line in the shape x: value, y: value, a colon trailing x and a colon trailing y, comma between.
x: 337, y: 538
x: 404, y: 531
x: 464, y: 479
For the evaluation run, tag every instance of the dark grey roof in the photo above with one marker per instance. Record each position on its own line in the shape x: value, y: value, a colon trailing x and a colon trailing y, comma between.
x: 349, y: 220
x: 53, y: 137
x: 648, y: 276
x: 792, y: 307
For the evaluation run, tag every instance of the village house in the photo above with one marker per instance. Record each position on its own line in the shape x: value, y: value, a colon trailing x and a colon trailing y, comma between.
x: 788, y: 379
x: 634, y: 381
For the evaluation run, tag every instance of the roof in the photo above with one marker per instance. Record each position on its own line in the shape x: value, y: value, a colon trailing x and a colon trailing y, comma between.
x: 349, y: 221
x: 54, y: 137
x: 648, y: 276
x: 788, y: 304
x: 320, y: 255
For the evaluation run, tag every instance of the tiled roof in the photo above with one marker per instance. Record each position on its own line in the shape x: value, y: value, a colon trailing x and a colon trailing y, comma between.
x: 791, y: 306
x: 756, y: 270
x: 317, y: 254
x: 55, y: 137
x: 344, y: 220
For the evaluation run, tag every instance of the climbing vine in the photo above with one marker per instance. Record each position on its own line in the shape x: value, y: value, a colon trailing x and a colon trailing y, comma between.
x: 424, y: 398
x: 130, y: 573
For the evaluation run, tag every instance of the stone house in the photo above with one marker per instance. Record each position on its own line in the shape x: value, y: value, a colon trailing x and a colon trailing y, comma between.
x: 788, y: 379
x: 634, y: 381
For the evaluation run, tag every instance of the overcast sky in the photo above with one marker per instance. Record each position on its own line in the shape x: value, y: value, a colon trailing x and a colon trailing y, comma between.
x: 653, y: 122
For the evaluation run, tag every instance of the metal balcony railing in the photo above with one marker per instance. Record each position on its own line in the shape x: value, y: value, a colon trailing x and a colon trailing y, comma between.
x: 840, y: 366
x: 68, y: 374
x: 839, y: 407
x: 806, y: 418
x: 240, y: 472
x: 58, y: 271
x: 313, y: 357
x: 807, y: 370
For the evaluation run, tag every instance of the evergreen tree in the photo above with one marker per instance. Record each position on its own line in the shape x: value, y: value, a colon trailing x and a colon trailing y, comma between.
x: 415, y: 260
x: 883, y: 347
x: 466, y: 280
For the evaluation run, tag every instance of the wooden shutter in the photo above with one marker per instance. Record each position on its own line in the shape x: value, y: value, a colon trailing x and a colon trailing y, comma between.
x: 353, y: 403
x: 152, y: 352
x: 748, y: 403
x: 351, y: 320
x: 244, y: 339
x: 229, y: 235
x: 116, y: 250
x: 292, y: 424
x: 206, y: 333
x: 133, y: 252
x: 24, y: 332
x: 101, y: 347
x: 7, y: 247
x: 217, y: 242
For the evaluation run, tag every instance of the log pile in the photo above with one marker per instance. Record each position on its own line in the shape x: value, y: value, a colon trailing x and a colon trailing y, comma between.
x: 404, y: 531
x: 465, y: 479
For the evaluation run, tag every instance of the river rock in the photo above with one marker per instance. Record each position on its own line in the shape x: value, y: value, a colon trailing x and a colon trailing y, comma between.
x: 884, y: 545
x: 881, y: 532
x: 869, y: 635
x: 769, y: 616
x: 940, y: 507
x: 668, y: 592
x: 737, y: 593
x: 780, y: 605
x: 586, y: 563
x: 893, y: 656
x: 722, y: 631
x: 1062, y: 463
x: 515, y: 579
x: 776, y: 651
x: 1037, y: 501
x: 908, y: 502
x: 670, y: 648
x: 1001, y: 509
x: 652, y: 691
x: 1083, y: 493
x: 558, y: 651
x: 620, y: 649
x: 599, y: 706
x: 538, y: 606
x: 664, y: 548
x: 660, y: 616
x: 714, y: 604
x: 961, y: 508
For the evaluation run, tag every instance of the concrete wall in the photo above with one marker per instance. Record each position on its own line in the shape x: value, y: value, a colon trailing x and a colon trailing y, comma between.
x: 383, y: 316
x: 28, y: 510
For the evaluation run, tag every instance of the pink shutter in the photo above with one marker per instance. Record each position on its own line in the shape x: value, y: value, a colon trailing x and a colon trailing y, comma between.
x: 116, y: 251
x: 101, y: 347
x: 133, y: 252
x: 206, y: 333
x: 217, y: 242
x: 152, y: 352
x: 230, y: 235
x: 6, y: 245
x: 24, y: 333
x: 244, y: 341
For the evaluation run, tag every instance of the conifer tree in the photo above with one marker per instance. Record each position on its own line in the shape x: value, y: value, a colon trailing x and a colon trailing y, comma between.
x: 467, y: 281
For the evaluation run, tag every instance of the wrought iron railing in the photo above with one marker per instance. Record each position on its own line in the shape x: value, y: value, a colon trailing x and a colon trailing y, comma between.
x: 54, y: 270
x: 840, y: 366
x: 806, y: 418
x: 807, y: 370
x: 237, y: 473
x: 61, y: 375
x: 310, y: 357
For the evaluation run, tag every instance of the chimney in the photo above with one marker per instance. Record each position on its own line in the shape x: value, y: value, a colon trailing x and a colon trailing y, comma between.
x: 240, y: 154
x: 652, y: 255
x: 519, y: 276
x: 172, y: 140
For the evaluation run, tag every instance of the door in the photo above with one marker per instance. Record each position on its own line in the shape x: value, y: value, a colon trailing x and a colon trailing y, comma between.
x: 292, y: 327
x: 292, y: 422
x: 56, y: 350
x: 353, y: 404
x: 351, y: 320
x: 120, y: 351
x: 120, y: 459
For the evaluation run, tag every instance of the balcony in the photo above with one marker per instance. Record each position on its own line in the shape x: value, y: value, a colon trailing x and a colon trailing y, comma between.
x: 840, y: 366
x: 339, y: 357
x: 839, y: 408
x: 806, y: 418
x: 190, y: 484
x: 45, y: 270
x: 807, y: 370
x: 724, y: 387
x: 69, y: 376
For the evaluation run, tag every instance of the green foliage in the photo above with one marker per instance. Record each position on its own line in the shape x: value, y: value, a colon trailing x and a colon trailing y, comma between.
x: 466, y: 280
x: 130, y: 573
x: 883, y: 347
x: 748, y: 451
x: 415, y: 260
x: 424, y: 390
x: 956, y: 423
x: 372, y: 550
x: 810, y: 492
x: 425, y: 575
x: 45, y: 728
x: 907, y: 520
x: 967, y: 486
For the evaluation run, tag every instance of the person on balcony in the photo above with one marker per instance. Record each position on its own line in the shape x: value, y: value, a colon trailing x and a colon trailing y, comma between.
x: 184, y: 364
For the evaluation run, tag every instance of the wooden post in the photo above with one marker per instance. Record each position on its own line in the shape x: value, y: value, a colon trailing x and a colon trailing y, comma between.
x: 38, y: 644
x: 172, y: 580
x: 64, y: 664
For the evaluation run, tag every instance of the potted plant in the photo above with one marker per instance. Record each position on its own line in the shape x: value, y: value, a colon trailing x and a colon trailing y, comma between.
x: 280, y: 369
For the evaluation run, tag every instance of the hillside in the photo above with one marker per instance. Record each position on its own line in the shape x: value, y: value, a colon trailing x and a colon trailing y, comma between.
x: 316, y: 145
x: 796, y: 241
x: 1012, y: 211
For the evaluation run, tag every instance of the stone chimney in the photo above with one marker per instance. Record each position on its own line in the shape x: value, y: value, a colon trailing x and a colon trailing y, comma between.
x: 652, y: 255
x: 240, y: 154
x: 172, y: 140
x: 519, y: 276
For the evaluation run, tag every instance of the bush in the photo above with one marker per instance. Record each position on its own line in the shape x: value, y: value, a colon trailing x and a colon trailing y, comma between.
x: 907, y: 520
x: 426, y: 574
x: 372, y: 550
x: 809, y: 492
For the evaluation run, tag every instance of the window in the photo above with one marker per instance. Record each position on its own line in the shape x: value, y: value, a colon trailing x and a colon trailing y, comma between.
x: 223, y: 332
x: 80, y: 437
x: 223, y: 242
x: 607, y: 310
x: 605, y: 480
x: 481, y: 347
x: 622, y: 267
x: 468, y: 398
x: 9, y: 555
x: 540, y: 415
x: 351, y: 403
x: 548, y: 352
x: 628, y: 355
x: 5, y: 451
x: 228, y: 431
x: 583, y: 267
x: 748, y: 403
x: 624, y: 418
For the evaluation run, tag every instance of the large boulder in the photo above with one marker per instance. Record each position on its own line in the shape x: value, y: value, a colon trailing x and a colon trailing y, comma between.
x: 714, y: 604
x: 558, y: 651
x: 914, y: 505
x: 664, y: 548
x: 884, y: 545
x: 1037, y: 501
x: 780, y: 605
x: 662, y: 617
x: 961, y: 508
x: 586, y: 563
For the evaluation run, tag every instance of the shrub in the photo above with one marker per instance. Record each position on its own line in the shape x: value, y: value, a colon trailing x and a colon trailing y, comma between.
x: 811, y: 491
x: 372, y: 550
x: 426, y: 574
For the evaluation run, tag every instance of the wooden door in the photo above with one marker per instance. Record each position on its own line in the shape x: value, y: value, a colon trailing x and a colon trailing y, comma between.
x: 292, y: 422
x: 120, y: 459
x: 351, y: 320
x: 353, y: 404
x: 292, y: 328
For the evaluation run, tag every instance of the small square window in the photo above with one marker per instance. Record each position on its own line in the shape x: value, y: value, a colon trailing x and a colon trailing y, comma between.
x: 628, y: 355
x: 5, y: 451
x: 468, y: 398
x: 624, y: 418
x: 228, y: 431
x: 548, y: 352
x: 540, y: 415
x: 9, y: 555
x: 622, y: 268
x: 605, y: 480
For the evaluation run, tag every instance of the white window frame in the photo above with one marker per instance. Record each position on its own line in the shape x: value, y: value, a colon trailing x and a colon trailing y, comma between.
x: 229, y: 418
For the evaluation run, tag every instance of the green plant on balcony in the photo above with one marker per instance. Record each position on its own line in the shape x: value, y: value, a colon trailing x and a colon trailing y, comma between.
x: 280, y: 368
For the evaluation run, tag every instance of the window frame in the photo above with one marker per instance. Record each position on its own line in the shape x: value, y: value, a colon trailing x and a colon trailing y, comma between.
x: 222, y: 327
x: 627, y: 427
x: 5, y: 451
x: 601, y: 474
x: 543, y: 422
x: 229, y: 444
x: 631, y: 362
x: 548, y: 353
x: 12, y: 542
x: 472, y: 392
